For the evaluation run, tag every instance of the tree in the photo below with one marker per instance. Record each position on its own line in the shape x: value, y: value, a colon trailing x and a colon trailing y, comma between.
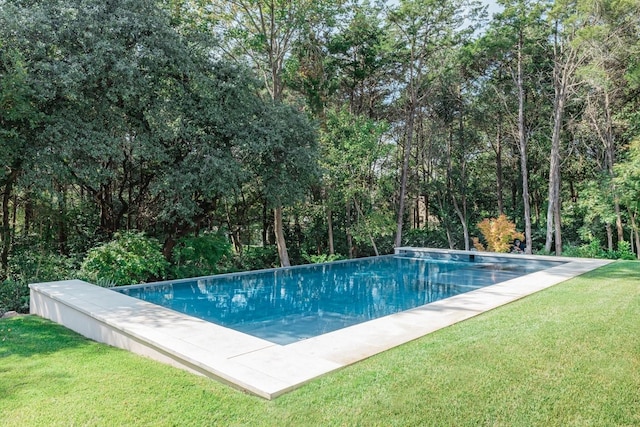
x: 606, y: 41
x: 499, y: 233
x: 420, y: 31
x: 135, y: 117
x: 519, y: 28
x: 628, y: 182
x: 284, y: 161
x: 352, y: 155
x: 262, y: 32
x: 566, y: 60
x: 19, y: 120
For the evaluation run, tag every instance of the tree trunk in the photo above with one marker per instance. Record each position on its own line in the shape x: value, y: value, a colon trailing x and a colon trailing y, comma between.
x: 280, y: 240
x: 5, y: 233
x: 28, y: 216
x: 609, y: 236
x: 167, y: 249
x: 449, y: 236
x: 61, y: 223
x: 266, y: 225
x: 558, y: 233
x: 463, y: 221
x: 634, y: 231
x: 14, y: 213
x: 373, y: 242
x: 553, y: 210
x: 523, y: 151
x: 330, y: 231
x: 499, y: 183
x: 403, y: 177
x: 619, y: 228
x: 348, y: 231
x: 234, y: 232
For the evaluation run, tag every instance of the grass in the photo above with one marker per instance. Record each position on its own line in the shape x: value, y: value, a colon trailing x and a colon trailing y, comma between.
x: 569, y: 355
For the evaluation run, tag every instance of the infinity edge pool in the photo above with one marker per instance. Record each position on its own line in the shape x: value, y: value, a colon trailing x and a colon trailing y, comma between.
x: 258, y: 366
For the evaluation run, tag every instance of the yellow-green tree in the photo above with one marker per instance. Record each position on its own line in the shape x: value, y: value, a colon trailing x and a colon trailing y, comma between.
x: 498, y: 233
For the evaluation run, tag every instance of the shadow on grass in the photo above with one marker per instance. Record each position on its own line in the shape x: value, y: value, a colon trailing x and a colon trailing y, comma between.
x: 27, y: 336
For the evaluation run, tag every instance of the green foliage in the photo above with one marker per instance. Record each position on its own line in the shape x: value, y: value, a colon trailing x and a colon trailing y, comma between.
x: 32, y: 262
x: 195, y: 256
x: 284, y: 155
x: 591, y: 250
x: 624, y: 251
x: 352, y: 151
x: 594, y: 249
x: 129, y: 259
x: 321, y: 258
x: 114, y: 116
x: 14, y: 296
x: 423, y: 238
x: 256, y: 258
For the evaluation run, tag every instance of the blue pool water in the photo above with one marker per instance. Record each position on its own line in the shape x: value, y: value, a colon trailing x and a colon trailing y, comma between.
x: 287, y: 305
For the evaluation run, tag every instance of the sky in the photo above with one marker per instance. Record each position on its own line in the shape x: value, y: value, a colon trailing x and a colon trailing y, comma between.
x: 494, y: 7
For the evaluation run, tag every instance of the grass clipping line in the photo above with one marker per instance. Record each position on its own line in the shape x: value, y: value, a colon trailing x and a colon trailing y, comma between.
x: 569, y: 355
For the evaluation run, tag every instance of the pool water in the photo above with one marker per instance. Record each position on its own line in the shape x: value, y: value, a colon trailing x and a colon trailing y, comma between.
x: 291, y: 304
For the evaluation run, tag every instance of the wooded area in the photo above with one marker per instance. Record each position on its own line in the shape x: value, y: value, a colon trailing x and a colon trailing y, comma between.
x: 321, y: 129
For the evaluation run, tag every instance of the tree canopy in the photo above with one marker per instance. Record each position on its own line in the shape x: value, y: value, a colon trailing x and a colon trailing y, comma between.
x: 339, y: 128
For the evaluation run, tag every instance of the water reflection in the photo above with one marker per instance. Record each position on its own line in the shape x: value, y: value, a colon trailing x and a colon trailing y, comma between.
x: 285, y: 305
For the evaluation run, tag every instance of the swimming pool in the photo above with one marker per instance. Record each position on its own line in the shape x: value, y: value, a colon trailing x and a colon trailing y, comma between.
x: 287, y: 305
x: 262, y: 367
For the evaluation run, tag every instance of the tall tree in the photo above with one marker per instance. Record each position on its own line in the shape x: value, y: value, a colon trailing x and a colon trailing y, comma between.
x: 19, y: 121
x: 519, y: 26
x: 263, y: 32
x: 606, y: 41
x: 420, y: 30
x: 353, y: 154
x: 566, y: 60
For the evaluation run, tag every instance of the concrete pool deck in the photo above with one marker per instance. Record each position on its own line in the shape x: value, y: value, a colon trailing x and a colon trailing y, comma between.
x: 256, y: 365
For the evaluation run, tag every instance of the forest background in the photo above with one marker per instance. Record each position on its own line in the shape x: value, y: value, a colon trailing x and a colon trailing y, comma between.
x: 143, y: 140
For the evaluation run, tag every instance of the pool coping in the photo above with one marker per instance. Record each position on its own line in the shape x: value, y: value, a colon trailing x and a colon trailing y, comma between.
x: 258, y: 366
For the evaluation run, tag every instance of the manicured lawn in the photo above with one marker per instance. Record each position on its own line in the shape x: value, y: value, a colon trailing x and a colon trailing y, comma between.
x: 566, y: 356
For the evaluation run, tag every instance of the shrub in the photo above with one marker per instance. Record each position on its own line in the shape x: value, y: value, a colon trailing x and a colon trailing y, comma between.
x: 594, y: 250
x: 40, y: 265
x: 590, y: 250
x: 420, y: 237
x: 256, y: 258
x: 199, y: 256
x: 129, y: 259
x: 498, y: 233
x: 624, y: 251
x: 31, y: 261
x: 319, y: 259
x: 14, y: 296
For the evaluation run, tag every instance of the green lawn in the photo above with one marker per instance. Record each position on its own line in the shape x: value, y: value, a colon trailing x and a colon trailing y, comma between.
x: 569, y: 355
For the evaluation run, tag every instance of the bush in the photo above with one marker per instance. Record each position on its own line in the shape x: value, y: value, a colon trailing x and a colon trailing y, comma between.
x: 14, y: 296
x: 498, y: 233
x: 319, y: 259
x: 34, y: 264
x: 129, y: 259
x: 590, y: 250
x: 257, y: 258
x: 420, y: 237
x: 624, y: 251
x: 594, y: 250
x: 199, y: 256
